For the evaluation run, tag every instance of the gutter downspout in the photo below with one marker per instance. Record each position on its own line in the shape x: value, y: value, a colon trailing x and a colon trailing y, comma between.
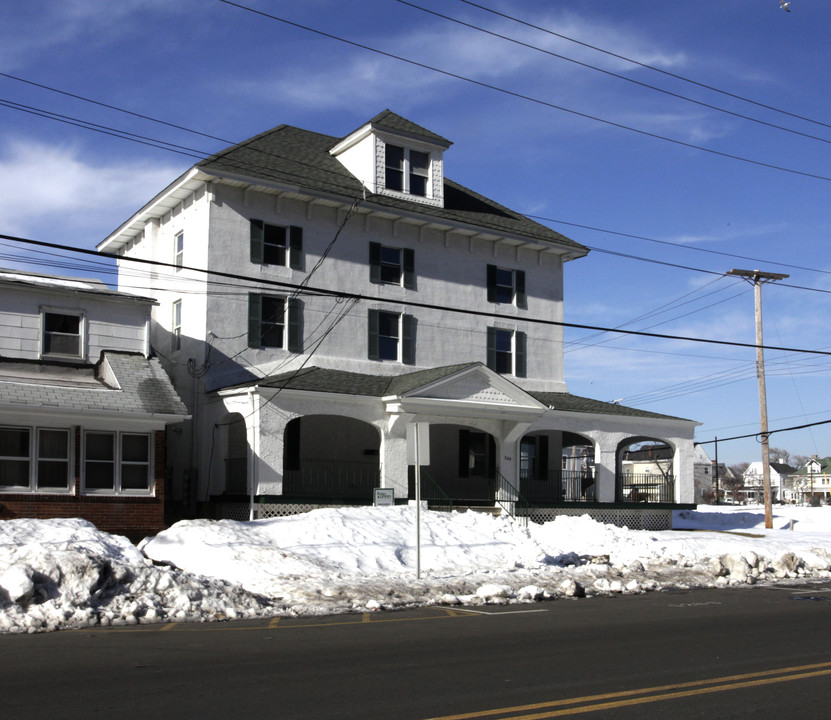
x: 253, y: 450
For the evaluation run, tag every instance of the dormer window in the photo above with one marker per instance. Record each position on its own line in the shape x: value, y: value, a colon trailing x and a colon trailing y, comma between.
x: 407, y: 170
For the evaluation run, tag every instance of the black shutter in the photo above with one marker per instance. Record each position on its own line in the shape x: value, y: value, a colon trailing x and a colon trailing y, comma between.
x: 491, y: 353
x: 296, y: 247
x: 257, y: 235
x: 491, y: 283
x: 408, y: 330
x: 520, y: 342
x: 295, y: 339
x: 519, y: 279
x: 408, y: 257
x: 374, y: 262
x: 373, y: 335
x: 255, y: 332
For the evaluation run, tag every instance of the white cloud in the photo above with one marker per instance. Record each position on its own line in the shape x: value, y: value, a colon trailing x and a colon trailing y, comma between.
x: 54, y: 184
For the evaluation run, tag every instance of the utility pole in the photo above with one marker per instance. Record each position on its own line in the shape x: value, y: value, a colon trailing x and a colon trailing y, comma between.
x: 758, y: 278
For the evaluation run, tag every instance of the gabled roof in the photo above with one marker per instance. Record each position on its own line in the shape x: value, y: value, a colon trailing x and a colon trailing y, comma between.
x: 126, y: 384
x: 299, y: 158
x: 389, y: 121
x: 824, y: 463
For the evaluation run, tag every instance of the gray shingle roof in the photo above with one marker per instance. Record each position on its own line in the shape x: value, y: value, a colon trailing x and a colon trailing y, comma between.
x: 315, y: 379
x: 143, y: 388
x: 574, y: 403
x: 301, y: 158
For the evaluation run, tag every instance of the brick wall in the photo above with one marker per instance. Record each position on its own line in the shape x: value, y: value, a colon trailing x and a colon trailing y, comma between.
x: 135, y: 517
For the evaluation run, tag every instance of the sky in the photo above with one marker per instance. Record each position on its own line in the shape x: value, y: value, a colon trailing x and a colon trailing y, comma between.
x: 678, y: 141
x: 65, y: 573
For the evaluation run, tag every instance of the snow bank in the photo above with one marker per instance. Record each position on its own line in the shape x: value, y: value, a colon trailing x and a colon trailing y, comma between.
x: 65, y: 573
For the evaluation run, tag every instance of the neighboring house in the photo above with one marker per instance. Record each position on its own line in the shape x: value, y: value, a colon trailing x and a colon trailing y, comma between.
x: 753, y: 490
x: 421, y: 302
x: 812, y: 482
x: 711, y: 483
x: 83, y: 408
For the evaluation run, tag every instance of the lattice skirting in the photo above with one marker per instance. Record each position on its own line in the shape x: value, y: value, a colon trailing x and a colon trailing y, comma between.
x: 632, y: 518
x: 240, y: 511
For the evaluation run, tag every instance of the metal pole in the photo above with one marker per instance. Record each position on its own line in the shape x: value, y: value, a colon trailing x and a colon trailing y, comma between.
x: 418, y: 502
x: 716, y: 473
x: 758, y: 278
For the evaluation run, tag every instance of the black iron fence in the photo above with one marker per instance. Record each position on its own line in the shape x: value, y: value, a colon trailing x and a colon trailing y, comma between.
x: 647, y: 488
x: 560, y: 486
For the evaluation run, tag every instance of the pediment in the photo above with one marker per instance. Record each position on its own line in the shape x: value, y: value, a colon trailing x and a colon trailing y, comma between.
x: 473, y: 390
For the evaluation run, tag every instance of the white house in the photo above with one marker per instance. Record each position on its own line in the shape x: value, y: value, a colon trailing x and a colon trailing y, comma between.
x: 752, y: 477
x: 83, y: 408
x: 352, y: 291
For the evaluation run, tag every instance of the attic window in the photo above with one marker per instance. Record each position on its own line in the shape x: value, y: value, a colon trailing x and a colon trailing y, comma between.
x: 407, y: 170
x: 62, y: 334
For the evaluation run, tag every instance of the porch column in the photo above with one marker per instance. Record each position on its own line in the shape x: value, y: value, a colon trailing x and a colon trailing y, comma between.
x: 604, y: 468
x: 394, y: 455
x: 508, y: 448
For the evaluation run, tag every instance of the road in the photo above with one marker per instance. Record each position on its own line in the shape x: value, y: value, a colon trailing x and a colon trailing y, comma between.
x: 753, y: 652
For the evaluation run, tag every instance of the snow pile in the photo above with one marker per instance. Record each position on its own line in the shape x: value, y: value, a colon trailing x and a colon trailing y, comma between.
x: 65, y: 573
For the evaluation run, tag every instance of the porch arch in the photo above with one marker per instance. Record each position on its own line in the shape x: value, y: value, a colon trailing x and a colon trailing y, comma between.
x: 331, y: 457
x: 644, y: 470
x: 556, y: 466
x: 463, y: 466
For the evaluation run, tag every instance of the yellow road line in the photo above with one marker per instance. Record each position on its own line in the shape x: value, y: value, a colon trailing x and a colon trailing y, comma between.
x: 651, y: 694
x: 274, y: 622
x: 169, y: 626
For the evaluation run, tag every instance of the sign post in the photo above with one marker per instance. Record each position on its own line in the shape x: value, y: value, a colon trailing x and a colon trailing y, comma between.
x: 418, y: 454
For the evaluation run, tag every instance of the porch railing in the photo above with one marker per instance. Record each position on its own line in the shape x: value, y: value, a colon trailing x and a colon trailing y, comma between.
x: 509, y: 498
x: 647, y: 488
x: 560, y: 486
x: 432, y: 494
x: 332, y: 479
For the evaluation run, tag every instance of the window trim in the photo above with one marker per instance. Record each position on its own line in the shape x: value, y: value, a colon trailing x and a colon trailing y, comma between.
x: 406, y: 266
x: 518, y: 296
x: 82, y: 333
x: 408, y: 172
x: 33, y: 460
x: 176, y: 326
x: 293, y: 244
x: 179, y: 249
x: 518, y: 351
x: 405, y: 347
x: 292, y: 338
x: 118, y: 464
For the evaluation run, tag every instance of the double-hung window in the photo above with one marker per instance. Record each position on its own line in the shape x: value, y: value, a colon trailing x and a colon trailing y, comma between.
x: 276, y: 244
x: 506, y: 286
x: 117, y: 462
x: 176, y: 326
x: 34, y: 459
x: 62, y: 334
x: 391, y: 337
x: 179, y: 250
x: 407, y: 170
x: 391, y: 266
x: 506, y: 351
x: 275, y: 322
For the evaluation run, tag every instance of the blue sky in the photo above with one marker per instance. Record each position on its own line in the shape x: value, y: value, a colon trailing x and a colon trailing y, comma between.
x: 679, y: 183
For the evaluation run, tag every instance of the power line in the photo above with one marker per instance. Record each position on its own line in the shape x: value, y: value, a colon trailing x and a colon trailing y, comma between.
x: 648, y: 66
x: 320, y: 291
x: 614, y: 74
x: 528, y: 98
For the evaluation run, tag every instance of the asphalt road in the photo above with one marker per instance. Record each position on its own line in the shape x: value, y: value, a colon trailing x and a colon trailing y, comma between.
x: 754, y: 652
